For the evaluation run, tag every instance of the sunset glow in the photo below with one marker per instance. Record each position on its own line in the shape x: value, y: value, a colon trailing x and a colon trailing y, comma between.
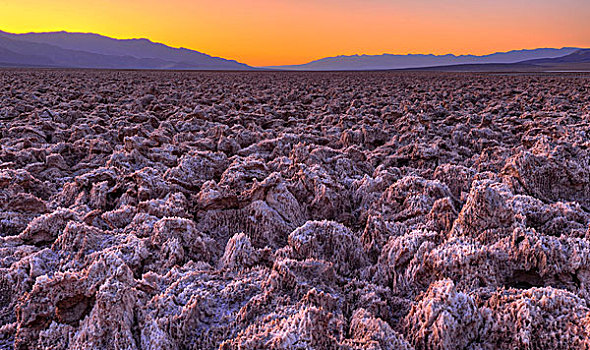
x: 273, y: 32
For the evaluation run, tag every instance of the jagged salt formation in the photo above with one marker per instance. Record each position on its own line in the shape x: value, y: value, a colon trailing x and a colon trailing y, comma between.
x: 160, y: 210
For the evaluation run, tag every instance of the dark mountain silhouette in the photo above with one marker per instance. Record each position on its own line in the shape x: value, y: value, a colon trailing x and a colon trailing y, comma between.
x: 579, y: 56
x: 87, y: 50
x: 389, y: 61
x: 79, y: 50
x: 578, y: 60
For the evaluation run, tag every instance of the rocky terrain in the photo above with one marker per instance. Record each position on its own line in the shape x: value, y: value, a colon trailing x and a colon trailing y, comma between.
x: 162, y: 210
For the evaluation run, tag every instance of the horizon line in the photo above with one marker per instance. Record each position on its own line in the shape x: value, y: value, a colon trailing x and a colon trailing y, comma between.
x: 296, y: 64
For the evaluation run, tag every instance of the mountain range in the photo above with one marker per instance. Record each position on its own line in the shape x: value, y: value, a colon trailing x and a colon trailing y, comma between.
x: 389, y: 61
x: 577, y: 61
x: 88, y: 50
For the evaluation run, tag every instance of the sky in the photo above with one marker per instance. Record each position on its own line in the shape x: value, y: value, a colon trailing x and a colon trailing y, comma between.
x: 278, y: 32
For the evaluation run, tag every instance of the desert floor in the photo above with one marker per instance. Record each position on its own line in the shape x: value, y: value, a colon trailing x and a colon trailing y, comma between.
x: 192, y: 210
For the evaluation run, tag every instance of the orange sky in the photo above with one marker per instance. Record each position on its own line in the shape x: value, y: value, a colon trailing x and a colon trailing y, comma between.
x: 272, y: 32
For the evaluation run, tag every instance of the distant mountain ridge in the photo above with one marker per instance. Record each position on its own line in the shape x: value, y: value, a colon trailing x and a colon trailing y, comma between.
x: 578, y: 56
x: 87, y: 50
x: 577, y: 61
x: 391, y: 61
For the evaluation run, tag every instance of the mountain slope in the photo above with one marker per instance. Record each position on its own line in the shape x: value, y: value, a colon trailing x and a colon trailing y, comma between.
x: 9, y: 58
x: 389, y: 61
x: 579, y: 60
x: 579, y: 56
x: 76, y: 50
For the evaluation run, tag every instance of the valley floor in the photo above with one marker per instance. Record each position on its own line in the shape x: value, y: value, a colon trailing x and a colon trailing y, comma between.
x: 368, y: 210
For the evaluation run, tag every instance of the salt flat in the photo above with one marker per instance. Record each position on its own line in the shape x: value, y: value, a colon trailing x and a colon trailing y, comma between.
x: 193, y: 210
